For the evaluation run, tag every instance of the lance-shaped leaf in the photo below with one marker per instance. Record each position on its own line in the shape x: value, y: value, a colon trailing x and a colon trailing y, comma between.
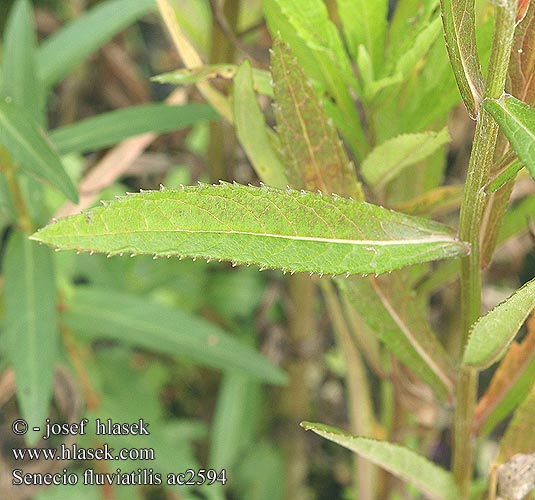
x: 369, y: 31
x: 110, y: 128
x: 31, y: 326
x: 521, y: 74
x: 294, y: 231
x: 389, y: 159
x: 20, y: 82
x: 510, y: 383
x: 516, y: 220
x: 412, y: 468
x: 458, y: 17
x: 23, y: 139
x: 252, y: 131
x: 393, y: 315
x: 62, y: 51
x: 519, y: 437
x: 313, y: 151
x: 100, y: 313
x: 517, y: 121
x: 491, y: 334
x: 306, y: 27
x: 191, y: 76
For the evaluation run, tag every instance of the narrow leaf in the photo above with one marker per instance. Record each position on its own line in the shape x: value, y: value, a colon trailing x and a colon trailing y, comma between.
x: 517, y: 121
x: 399, y: 461
x: 294, y: 231
x: 189, y: 76
x: 234, y: 419
x: 521, y: 74
x: 110, y: 128
x: 410, y: 60
x: 389, y: 159
x: 23, y: 139
x: 522, y: 10
x: 492, y: 334
x: 391, y: 312
x: 314, y: 154
x: 458, y: 17
x: 31, y: 326
x: 441, y: 200
x: 505, y: 176
x: 252, y: 132
x: 369, y: 31
x: 305, y: 25
x: 519, y: 437
x: 101, y: 313
x: 73, y: 43
x: 516, y: 219
x: 514, y: 396
x: 21, y: 83
x: 309, y: 19
x: 510, y: 383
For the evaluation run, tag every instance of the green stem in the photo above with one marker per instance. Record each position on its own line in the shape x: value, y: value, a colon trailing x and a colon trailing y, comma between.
x: 296, y: 403
x: 358, y: 390
x: 471, y: 217
x: 222, y: 51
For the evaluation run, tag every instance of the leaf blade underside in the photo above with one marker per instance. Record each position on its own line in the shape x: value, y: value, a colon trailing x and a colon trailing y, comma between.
x: 517, y: 121
x: 288, y: 230
x: 492, y: 334
x: 429, y: 478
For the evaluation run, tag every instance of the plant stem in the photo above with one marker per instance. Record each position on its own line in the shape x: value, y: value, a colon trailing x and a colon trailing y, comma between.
x: 472, y: 211
x: 296, y: 404
x: 221, y: 133
x: 358, y: 390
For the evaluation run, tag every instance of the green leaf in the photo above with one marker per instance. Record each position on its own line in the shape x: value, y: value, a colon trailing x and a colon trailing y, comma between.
x: 21, y: 83
x: 491, y: 334
x: 110, y: 128
x: 31, y: 324
x: 310, y: 22
x: 294, y: 231
x: 305, y: 25
x: 101, y: 313
x: 399, y: 461
x: 389, y: 159
x: 409, y: 60
x: 235, y: 418
x: 505, y: 176
x: 521, y: 82
x: 314, y: 154
x: 190, y: 76
x: 511, y: 382
x: 72, y: 44
x: 517, y: 218
x: 458, y: 17
x: 519, y: 437
x: 252, y: 132
x: 369, y: 31
x: 409, y: 16
x: 24, y: 140
x: 514, y: 396
x: 517, y: 121
x: 266, y: 457
x: 391, y: 311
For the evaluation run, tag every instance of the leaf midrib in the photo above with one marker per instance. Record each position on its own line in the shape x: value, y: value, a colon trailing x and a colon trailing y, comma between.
x: 414, y: 241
